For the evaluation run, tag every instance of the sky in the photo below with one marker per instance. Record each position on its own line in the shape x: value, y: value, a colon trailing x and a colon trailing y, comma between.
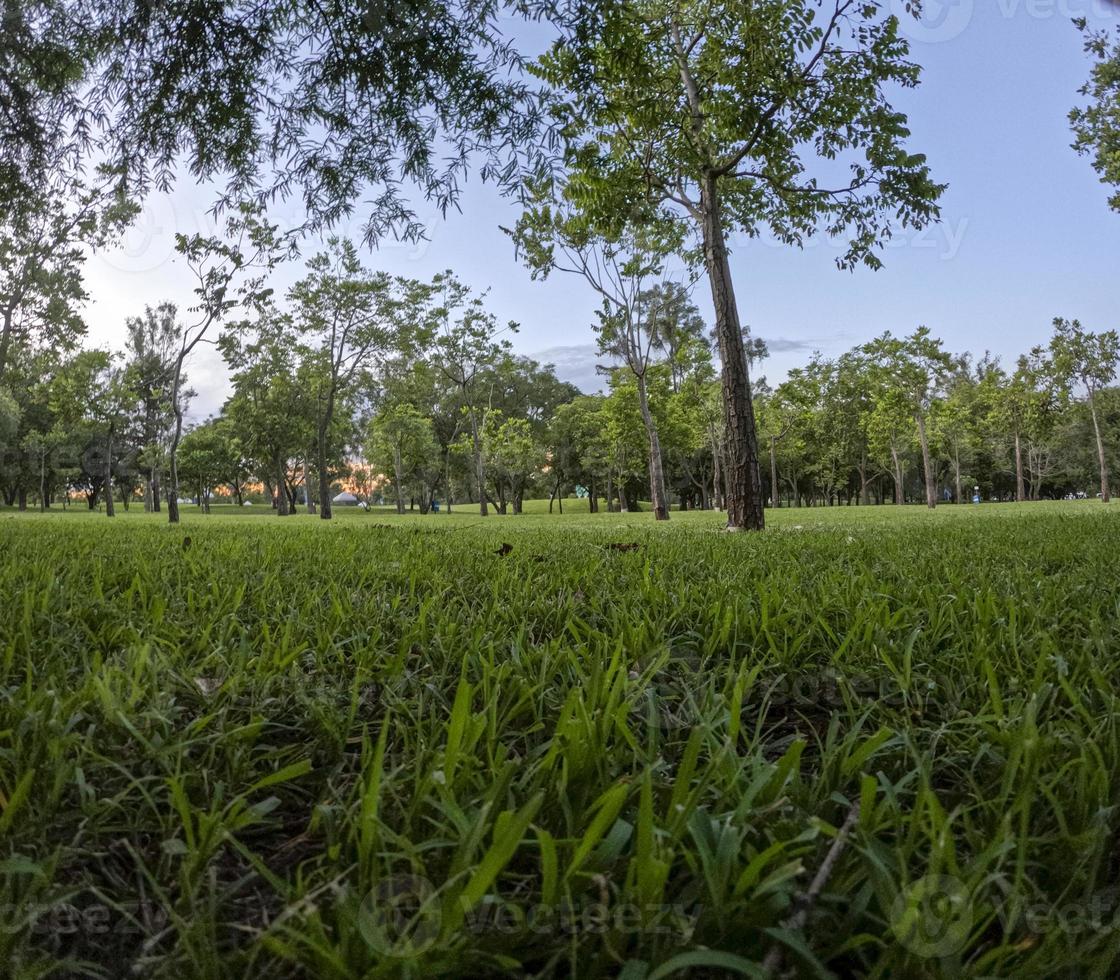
x: 1026, y: 233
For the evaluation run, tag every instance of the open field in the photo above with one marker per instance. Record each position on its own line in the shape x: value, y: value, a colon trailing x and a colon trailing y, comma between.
x: 247, y: 747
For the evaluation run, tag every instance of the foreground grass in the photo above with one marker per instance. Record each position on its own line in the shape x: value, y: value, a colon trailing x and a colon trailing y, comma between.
x: 247, y: 747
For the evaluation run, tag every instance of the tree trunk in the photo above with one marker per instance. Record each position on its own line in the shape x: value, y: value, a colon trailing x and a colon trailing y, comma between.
x: 775, y: 495
x: 5, y: 340
x: 308, y: 496
x: 899, y: 493
x: 281, y: 489
x: 1105, y: 496
x: 479, y: 465
x: 42, y: 480
x: 927, y: 464
x: 155, y: 490
x: 397, y: 467
x: 108, y: 477
x: 744, y: 482
x: 717, y: 476
x: 324, y: 480
x: 1020, y: 483
x: 656, y: 471
x: 957, y: 476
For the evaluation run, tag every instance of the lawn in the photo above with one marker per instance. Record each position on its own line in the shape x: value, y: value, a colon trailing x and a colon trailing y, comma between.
x: 870, y: 742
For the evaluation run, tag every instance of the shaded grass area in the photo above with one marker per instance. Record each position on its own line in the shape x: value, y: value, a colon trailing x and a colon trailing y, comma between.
x: 394, y: 747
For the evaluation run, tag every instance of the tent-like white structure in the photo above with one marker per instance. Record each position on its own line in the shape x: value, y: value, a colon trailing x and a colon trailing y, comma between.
x: 345, y: 499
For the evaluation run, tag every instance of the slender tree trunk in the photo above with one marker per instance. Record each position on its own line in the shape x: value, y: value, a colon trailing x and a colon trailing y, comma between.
x: 1105, y: 495
x: 6, y: 337
x: 324, y: 479
x: 281, y: 489
x: 717, y: 471
x: 479, y: 464
x: 108, y: 477
x: 397, y: 468
x: 775, y: 495
x: 744, y: 483
x: 21, y: 498
x: 173, y: 450
x: 864, y: 496
x: 155, y: 490
x: 42, y: 481
x: 1020, y: 482
x: 656, y: 471
x: 308, y: 496
x: 899, y: 492
x: 927, y: 464
x: 623, y: 504
x: 957, y: 475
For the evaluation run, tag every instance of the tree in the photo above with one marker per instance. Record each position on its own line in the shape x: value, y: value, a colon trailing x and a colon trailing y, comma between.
x: 403, y: 439
x: 152, y: 344
x: 1088, y: 360
x: 92, y: 389
x: 1096, y: 126
x: 349, y: 317
x: 623, y: 269
x: 467, y: 342
x: 229, y: 272
x: 270, y: 409
x: 955, y: 422
x: 914, y: 370
x: 43, y: 238
x: 706, y: 118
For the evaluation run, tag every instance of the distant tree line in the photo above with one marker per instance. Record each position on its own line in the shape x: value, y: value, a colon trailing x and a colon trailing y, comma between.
x: 647, y: 134
x: 408, y: 392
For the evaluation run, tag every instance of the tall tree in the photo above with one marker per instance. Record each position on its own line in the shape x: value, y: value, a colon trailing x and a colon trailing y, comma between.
x: 230, y: 271
x: 468, y: 342
x: 915, y: 369
x: 715, y: 118
x: 152, y: 345
x: 401, y: 438
x: 1086, y: 360
x: 349, y: 317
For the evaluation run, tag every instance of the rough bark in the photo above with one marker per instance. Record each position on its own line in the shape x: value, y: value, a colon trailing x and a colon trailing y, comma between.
x: 744, y: 483
x: 479, y: 465
x: 1020, y: 482
x: 927, y: 464
x: 899, y: 491
x: 398, y: 467
x: 108, y: 475
x: 1101, y: 459
x: 324, y: 479
x: 281, y: 489
x: 656, y: 470
x: 775, y: 494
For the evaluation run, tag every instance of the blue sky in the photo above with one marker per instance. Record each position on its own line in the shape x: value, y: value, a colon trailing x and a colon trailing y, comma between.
x: 1026, y: 233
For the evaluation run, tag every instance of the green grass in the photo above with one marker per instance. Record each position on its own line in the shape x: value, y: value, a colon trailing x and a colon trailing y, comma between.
x: 378, y: 747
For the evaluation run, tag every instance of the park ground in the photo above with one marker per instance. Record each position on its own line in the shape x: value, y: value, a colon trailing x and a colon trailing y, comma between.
x: 868, y: 742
